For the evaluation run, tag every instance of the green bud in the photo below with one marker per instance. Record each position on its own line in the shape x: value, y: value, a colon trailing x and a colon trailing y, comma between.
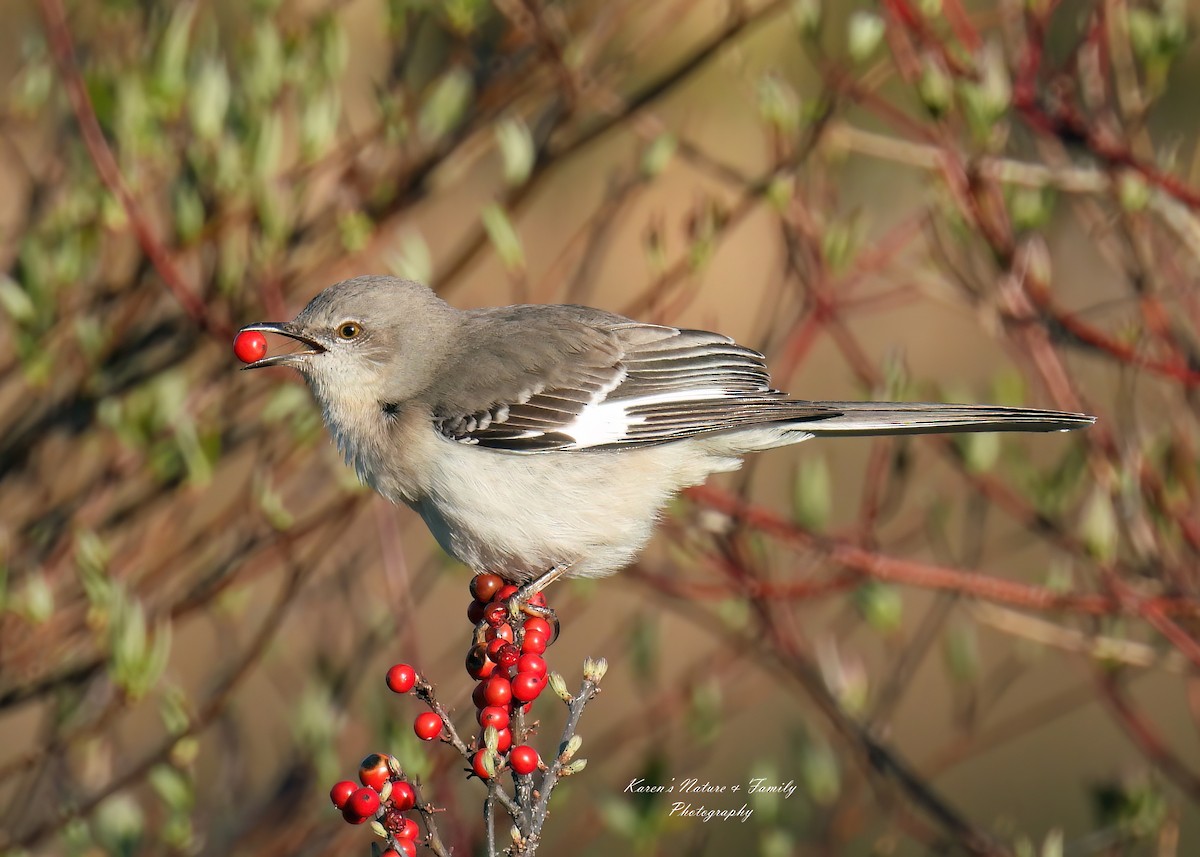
x: 189, y: 212
x: 865, y: 32
x: 171, y: 79
x: 980, y: 450
x: 445, y: 104
x: 819, y: 772
x: 1031, y: 207
x: 594, y: 670
x: 812, y: 494
x: 491, y: 762
x: 961, y: 651
x: 35, y: 599
x: 356, y: 229
x: 881, y: 605
x: 573, y: 768
x: 1144, y: 32
x: 268, y: 147
x: 491, y: 738
x: 658, y: 154
x: 334, y: 46
x: 503, y: 237
x: 570, y: 748
x: 1133, y: 191
x: 807, y: 15
x: 934, y: 86
x: 1099, y: 527
x: 559, y: 685
x: 996, y: 84
x: 378, y: 829
x: 319, y: 123
x: 208, y: 99
x: 15, y: 301
x: 516, y: 150
x: 118, y: 824
x: 778, y: 103
x: 1052, y: 845
x: 413, y: 260
x: 264, y: 78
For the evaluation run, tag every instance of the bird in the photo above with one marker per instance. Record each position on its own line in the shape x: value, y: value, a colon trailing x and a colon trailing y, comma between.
x: 541, y: 441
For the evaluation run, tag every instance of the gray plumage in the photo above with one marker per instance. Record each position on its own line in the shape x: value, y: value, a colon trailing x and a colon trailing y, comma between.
x: 529, y: 437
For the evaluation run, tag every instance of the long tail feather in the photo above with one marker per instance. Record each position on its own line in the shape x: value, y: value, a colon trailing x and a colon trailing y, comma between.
x: 884, y: 418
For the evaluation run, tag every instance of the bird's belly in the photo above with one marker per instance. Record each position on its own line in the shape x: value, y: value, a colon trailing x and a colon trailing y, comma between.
x: 519, y: 515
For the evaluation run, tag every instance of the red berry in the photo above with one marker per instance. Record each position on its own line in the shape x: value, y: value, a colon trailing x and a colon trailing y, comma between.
x: 404, y: 847
x: 539, y: 625
x: 526, y: 686
x: 249, y: 346
x: 340, y: 793
x: 427, y: 726
x: 505, y: 593
x: 477, y: 764
x: 533, y: 643
x: 353, y: 817
x: 532, y: 664
x: 523, y: 759
x: 485, y: 586
x: 497, y: 691
x: 401, y: 678
x: 538, y: 599
x: 493, y: 649
x: 494, y: 715
x: 503, y: 740
x: 364, y: 803
x: 403, y: 796
x: 477, y: 697
x: 495, y: 613
x: 475, y: 611
x: 373, y: 771
x: 406, y: 828
x: 508, y: 656
x: 478, y: 665
x: 502, y: 632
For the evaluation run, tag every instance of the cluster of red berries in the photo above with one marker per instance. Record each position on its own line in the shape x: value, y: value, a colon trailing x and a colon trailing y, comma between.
x: 506, y: 661
x: 383, y: 796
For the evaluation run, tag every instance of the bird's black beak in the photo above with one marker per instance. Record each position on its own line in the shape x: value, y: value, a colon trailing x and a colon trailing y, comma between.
x: 291, y: 331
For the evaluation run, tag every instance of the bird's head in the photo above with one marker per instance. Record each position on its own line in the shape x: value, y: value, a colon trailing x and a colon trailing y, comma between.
x: 373, y: 337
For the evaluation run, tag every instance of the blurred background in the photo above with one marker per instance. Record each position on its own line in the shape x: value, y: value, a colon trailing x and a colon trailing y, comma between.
x: 985, y: 645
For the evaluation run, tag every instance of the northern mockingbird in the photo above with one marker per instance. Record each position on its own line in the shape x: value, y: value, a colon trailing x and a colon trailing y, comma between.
x: 537, y: 441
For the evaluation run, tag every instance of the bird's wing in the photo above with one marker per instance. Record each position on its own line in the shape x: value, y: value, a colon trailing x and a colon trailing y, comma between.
x: 565, y: 378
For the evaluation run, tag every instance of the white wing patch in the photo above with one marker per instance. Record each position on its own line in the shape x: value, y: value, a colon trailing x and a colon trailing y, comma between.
x: 609, y: 422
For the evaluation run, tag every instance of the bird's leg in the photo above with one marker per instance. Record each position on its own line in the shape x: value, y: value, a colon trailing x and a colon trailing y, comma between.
x: 521, y: 598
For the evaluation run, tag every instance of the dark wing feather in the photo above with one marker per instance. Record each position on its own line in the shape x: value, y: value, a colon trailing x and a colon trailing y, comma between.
x: 540, y: 378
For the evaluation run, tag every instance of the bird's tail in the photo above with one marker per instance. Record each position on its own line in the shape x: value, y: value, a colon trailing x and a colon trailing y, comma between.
x: 885, y: 418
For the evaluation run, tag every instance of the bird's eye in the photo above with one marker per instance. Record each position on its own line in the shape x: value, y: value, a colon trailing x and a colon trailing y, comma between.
x: 349, y: 330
